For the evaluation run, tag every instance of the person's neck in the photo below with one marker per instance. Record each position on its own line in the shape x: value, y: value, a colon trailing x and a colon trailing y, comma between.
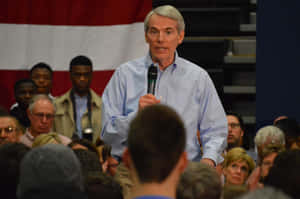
x: 82, y: 94
x: 163, y: 64
x: 33, y: 133
x: 159, y: 189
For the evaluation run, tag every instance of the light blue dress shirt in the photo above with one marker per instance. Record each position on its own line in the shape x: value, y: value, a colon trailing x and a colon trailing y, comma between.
x: 183, y: 86
x: 81, y: 108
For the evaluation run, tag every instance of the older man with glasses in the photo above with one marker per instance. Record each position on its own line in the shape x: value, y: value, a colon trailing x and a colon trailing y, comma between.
x: 40, y: 112
x: 10, y: 129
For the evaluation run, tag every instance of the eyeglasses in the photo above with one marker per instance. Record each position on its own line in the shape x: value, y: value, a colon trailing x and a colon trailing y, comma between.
x: 42, y: 115
x: 234, y: 125
x: 8, y: 130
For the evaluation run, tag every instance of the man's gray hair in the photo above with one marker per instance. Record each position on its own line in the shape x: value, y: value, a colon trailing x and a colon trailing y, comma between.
x: 266, y: 193
x: 166, y: 11
x: 199, y: 181
x: 270, y: 134
x: 38, y: 97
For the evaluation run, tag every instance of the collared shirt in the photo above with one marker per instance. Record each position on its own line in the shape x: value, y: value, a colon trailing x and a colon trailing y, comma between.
x: 27, y: 138
x: 81, y: 108
x: 183, y: 86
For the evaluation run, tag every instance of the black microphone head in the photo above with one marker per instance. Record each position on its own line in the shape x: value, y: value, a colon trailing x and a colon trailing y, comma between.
x: 152, y: 72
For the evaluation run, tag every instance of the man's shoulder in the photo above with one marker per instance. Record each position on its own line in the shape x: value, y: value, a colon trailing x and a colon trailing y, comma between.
x: 190, y: 66
x: 132, y: 65
x: 61, y: 101
x: 95, y: 98
x: 62, y: 98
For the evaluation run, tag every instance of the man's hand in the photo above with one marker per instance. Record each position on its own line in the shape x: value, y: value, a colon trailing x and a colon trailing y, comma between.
x: 147, y: 100
x: 208, y: 162
x: 253, y: 180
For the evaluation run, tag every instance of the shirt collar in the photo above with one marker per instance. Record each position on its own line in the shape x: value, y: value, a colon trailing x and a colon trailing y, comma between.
x: 174, y: 64
x: 28, y: 135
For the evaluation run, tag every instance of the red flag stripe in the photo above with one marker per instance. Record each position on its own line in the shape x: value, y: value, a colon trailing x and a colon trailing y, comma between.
x: 74, y: 12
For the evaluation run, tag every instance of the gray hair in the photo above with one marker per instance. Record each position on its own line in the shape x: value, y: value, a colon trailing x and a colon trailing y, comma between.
x: 166, y: 11
x: 38, y: 97
x: 270, y: 134
x: 266, y: 193
x: 199, y: 181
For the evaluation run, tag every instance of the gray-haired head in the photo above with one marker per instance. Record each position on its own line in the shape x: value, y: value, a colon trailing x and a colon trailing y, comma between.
x: 50, y: 168
x: 269, y: 135
x: 265, y: 193
x: 38, y: 97
x: 166, y: 11
x: 199, y: 181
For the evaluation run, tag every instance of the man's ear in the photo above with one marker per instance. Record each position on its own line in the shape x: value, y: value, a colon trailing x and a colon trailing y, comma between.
x: 126, y: 158
x: 183, y: 162
x: 180, y: 37
x: 28, y: 113
x: 146, y: 38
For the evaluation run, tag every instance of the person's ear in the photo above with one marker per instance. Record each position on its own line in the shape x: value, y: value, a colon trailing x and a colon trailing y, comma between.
x: 180, y: 37
x: 126, y: 158
x: 183, y: 162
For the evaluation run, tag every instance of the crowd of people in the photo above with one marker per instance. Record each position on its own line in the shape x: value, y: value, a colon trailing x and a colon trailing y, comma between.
x: 175, y: 143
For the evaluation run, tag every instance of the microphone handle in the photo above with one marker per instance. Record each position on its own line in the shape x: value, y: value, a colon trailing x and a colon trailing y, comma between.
x: 151, y: 86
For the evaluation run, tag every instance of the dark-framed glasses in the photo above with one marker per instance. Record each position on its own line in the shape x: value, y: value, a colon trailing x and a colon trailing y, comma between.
x: 234, y: 125
x: 42, y: 115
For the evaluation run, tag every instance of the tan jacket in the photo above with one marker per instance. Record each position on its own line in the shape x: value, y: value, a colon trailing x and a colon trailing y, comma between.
x: 64, y: 116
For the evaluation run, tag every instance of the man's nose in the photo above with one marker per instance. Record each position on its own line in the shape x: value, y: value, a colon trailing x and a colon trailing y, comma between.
x: 28, y: 95
x: 44, y: 119
x: 2, y: 133
x: 161, y: 36
x: 229, y: 128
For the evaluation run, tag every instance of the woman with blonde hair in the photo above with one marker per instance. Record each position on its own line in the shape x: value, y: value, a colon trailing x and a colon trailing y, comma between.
x: 237, y: 166
x: 50, y: 138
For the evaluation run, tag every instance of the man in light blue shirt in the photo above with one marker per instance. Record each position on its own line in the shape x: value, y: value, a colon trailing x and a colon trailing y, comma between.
x: 180, y: 84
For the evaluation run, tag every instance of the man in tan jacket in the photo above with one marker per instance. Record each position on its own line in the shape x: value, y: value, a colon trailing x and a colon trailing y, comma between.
x: 78, y: 112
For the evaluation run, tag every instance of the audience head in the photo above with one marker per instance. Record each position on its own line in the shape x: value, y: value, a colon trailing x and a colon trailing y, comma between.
x: 265, y: 193
x: 103, y: 186
x: 81, y: 71
x: 41, y: 74
x: 235, y: 130
x: 50, y: 171
x: 49, y: 138
x: 11, y: 155
x: 24, y: 90
x: 237, y: 166
x: 84, y: 144
x: 199, y: 181
x: 89, y: 162
x: 166, y: 11
x: 291, y: 130
x: 123, y: 177
x: 268, y: 156
x: 268, y: 135
x: 40, y: 112
x: 156, y: 135
x: 233, y: 191
x: 10, y: 129
x: 284, y: 174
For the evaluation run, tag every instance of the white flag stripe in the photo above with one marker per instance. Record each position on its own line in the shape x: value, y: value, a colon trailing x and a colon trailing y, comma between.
x: 108, y: 46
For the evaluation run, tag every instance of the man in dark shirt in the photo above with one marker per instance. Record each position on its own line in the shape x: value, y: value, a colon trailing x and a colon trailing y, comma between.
x: 24, y: 90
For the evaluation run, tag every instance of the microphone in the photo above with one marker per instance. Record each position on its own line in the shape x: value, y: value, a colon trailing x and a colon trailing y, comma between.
x: 152, y: 76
